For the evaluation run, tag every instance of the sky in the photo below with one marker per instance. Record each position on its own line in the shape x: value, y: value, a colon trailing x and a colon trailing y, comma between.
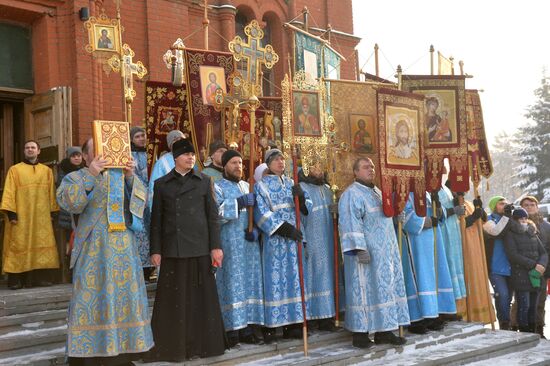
x: 504, y: 45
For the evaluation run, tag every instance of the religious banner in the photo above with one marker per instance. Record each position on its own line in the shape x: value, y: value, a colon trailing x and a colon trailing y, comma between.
x: 353, y: 106
x: 306, y: 126
x: 445, y: 128
x: 207, y: 73
x: 112, y: 142
x: 273, y: 122
x: 165, y: 110
x: 331, y: 60
x: 479, y: 159
x: 308, y: 53
x: 401, y: 144
x: 445, y: 66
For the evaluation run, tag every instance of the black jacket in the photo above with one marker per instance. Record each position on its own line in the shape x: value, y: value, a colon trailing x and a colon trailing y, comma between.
x: 524, y: 251
x: 184, y: 219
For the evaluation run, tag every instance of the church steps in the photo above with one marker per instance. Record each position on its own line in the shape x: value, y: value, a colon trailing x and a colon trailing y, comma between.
x: 536, y: 356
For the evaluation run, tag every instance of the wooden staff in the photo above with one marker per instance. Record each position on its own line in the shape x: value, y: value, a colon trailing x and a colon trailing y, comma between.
x: 482, y: 241
x: 463, y: 234
x: 336, y: 264
x: 252, y: 105
x: 434, y: 228
x: 300, y: 254
x: 400, y: 242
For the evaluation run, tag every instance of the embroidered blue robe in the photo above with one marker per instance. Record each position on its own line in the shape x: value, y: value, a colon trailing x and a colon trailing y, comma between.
x: 409, y: 273
x: 375, y: 292
x: 142, y: 236
x: 108, y: 311
x: 432, y: 301
x: 452, y: 238
x: 239, y: 280
x: 275, y: 205
x: 319, y: 230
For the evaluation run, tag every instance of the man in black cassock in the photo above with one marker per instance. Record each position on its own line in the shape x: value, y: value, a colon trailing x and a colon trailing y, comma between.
x: 185, y: 237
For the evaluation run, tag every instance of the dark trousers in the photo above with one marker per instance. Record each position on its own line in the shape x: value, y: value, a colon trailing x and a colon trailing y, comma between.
x: 527, y: 307
x: 30, y: 278
x: 503, y: 296
x: 542, y: 302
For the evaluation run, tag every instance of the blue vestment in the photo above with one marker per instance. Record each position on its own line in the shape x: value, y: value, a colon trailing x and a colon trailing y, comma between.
x: 432, y: 300
x: 452, y: 238
x: 239, y: 280
x: 375, y: 292
x: 275, y: 205
x: 142, y: 236
x: 318, y: 227
x: 108, y: 312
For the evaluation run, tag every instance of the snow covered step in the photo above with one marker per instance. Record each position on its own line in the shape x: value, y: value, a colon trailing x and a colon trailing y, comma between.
x: 37, y: 356
x: 37, y: 320
x: 341, y: 352
x: 12, y: 342
x: 536, y: 356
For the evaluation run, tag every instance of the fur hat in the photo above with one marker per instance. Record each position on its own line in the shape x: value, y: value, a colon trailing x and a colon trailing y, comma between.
x: 182, y: 146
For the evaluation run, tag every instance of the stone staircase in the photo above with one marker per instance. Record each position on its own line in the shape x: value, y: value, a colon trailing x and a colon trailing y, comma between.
x: 33, y: 332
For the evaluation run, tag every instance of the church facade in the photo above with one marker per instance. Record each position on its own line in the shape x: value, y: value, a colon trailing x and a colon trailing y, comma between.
x: 53, y: 88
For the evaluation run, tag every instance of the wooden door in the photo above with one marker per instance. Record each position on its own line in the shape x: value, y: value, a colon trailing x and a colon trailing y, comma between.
x: 48, y: 121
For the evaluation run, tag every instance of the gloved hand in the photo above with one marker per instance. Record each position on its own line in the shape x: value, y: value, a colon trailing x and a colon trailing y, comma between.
x: 297, y: 191
x: 478, y: 202
x: 251, y: 236
x: 459, y: 210
x: 508, y: 210
x: 363, y: 256
x: 289, y: 231
x: 246, y: 200
x: 531, y: 229
x: 430, y: 222
x: 476, y: 215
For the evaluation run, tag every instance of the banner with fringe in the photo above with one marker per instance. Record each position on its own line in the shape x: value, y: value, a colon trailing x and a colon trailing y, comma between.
x: 401, y: 146
x: 445, y: 128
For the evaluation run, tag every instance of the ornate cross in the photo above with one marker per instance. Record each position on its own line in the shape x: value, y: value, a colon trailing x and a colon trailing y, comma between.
x: 124, y: 64
x: 174, y: 60
x: 253, y: 52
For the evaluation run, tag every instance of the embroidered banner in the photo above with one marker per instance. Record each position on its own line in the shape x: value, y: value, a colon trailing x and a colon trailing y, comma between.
x: 207, y: 71
x: 308, y: 55
x: 479, y: 158
x: 401, y: 145
x: 165, y: 110
x: 353, y: 106
x: 445, y: 128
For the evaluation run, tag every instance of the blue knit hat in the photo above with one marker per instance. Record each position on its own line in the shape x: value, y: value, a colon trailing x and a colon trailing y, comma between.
x: 519, y: 213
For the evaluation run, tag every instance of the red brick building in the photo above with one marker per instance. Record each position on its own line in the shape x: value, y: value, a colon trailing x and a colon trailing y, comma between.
x: 42, y: 46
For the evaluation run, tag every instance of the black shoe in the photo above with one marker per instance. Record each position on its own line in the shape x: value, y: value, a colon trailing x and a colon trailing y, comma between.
x: 361, y: 340
x: 450, y: 317
x: 524, y: 329
x: 504, y: 326
x: 269, y: 335
x: 540, y: 331
x: 435, y: 324
x: 250, y: 339
x: 232, y: 338
x: 44, y: 284
x: 327, y: 325
x: 293, y: 331
x: 388, y: 338
x: 418, y: 328
x: 16, y: 286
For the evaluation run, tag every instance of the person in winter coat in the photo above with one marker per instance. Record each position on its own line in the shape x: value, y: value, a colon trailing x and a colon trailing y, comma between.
x: 528, y: 260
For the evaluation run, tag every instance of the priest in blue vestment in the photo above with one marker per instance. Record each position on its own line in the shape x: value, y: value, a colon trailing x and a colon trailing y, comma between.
x: 432, y: 299
x: 275, y: 215
x: 108, y: 321
x: 452, y: 238
x: 139, y: 154
x: 375, y: 290
x: 239, y: 280
x: 319, y: 230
